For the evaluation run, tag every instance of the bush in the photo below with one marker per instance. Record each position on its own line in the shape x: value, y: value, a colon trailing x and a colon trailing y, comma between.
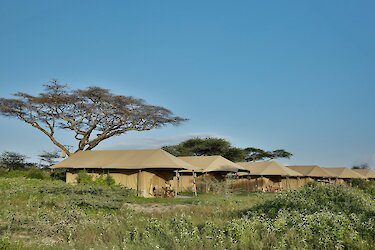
x: 367, y: 186
x: 84, y: 178
x: 31, y: 173
x: 315, y: 198
x: 4, y: 243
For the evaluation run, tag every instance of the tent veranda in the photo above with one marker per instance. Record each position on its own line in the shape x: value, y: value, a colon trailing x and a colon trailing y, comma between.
x: 268, y: 176
x: 208, y: 168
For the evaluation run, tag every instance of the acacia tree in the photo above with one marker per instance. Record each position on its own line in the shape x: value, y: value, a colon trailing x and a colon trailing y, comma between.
x: 256, y: 154
x: 49, y: 157
x: 205, y: 147
x: 220, y: 146
x: 93, y: 114
x: 13, y: 160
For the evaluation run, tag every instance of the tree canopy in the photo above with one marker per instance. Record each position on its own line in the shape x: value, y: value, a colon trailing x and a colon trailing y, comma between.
x: 93, y: 114
x: 13, y: 160
x: 49, y: 158
x: 361, y: 166
x: 219, y: 146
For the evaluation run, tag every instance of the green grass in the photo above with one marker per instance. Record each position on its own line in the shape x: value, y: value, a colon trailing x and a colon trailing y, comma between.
x: 49, y: 214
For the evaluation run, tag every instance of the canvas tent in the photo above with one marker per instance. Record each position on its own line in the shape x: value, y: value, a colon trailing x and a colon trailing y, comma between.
x: 312, y: 171
x: 368, y: 173
x: 268, y: 168
x: 344, y: 173
x: 141, y: 170
x: 215, y: 163
x: 268, y: 176
x: 210, y: 168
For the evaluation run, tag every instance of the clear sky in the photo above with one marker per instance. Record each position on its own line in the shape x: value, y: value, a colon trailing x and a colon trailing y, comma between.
x: 297, y: 75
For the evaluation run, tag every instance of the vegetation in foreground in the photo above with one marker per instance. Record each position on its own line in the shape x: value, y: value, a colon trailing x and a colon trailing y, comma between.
x: 42, y: 213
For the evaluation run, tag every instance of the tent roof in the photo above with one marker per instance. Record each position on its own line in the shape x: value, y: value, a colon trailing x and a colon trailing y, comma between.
x: 369, y: 173
x: 344, y: 173
x: 214, y: 163
x: 124, y: 159
x: 268, y: 168
x: 311, y: 171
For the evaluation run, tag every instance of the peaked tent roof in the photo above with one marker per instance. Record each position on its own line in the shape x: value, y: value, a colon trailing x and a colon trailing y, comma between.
x: 345, y: 173
x: 124, y: 159
x: 369, y: 173
x: 268, y: 168
x: 311, y: 171
x: 214, y: 163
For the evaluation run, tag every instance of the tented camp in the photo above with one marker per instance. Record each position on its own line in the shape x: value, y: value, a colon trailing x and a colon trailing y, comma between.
x: 268, y: 176
x: 368, y: 173
x: 313, y: 171
x: 344, y: 173
x: 146, y: 171
x: 209, y: 169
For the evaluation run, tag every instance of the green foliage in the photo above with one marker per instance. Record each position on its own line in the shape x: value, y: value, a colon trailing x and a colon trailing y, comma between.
x: 219, y: 146
x: 206, y: 146
x: 4, y: 243
x: 49, y: 158
x: 46, y: 214
x: 13, y: 160
x: 256, y: 154
x: 31, y: 173
x: 83, y: 177
x: 58, y: 174
x: 315, y: 198
x: 365, y: 185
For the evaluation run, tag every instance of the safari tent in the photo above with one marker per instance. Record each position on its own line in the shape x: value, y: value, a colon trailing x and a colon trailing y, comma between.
x: 313, y: 171
x: 145, y: 171
x: 208, y: 168
x: 344, y: 173
x: 268, y: 176
x: 368, y: 173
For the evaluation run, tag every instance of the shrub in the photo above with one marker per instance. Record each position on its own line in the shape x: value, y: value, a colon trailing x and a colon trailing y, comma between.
x: 365, y: 185
x: 104, y: 180
x: 84, y: 178
x: 316, y: 198
x: 4, y: 243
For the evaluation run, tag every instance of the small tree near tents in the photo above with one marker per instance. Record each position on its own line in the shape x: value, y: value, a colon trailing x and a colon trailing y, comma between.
x: 93, y: 114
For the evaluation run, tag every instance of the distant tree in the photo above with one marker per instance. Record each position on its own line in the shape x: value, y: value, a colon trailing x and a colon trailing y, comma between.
x: 220, y: 146
x: 279, y: 153
x: 257, y: 154
x: 50, y: 158
x: 93, y: 114
x: 13, y: 160
x: 206, y: 147
x: 361, y: 166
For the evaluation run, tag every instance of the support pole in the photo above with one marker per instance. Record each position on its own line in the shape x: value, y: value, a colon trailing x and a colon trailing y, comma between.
x: 138, y: 182
x: 177, y: 179
x: 194, y: 183
x: 205, y: 181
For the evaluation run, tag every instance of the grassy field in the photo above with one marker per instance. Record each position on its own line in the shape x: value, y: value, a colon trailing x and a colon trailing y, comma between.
x: 49, y: 214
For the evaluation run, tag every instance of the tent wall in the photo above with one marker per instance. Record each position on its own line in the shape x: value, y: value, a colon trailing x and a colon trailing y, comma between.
x: 142, y: 181
x: 186, y: 182
x: 270, y: 184
x: 252, y: 184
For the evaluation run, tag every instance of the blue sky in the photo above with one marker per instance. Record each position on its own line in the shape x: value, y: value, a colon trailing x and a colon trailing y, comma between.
x: 297, y: 75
